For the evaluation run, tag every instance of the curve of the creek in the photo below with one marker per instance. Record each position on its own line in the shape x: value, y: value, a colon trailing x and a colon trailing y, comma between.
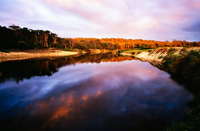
x: 103, y: 92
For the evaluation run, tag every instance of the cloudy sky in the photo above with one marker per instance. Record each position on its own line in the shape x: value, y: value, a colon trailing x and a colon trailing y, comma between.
x: 135, y: 19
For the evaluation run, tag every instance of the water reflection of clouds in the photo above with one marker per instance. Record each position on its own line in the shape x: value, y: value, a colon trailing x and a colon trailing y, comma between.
x: 93, y: 93
x: 79, y: 105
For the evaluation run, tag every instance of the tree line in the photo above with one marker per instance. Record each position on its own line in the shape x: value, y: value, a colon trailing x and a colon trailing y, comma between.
x: 15, y: 37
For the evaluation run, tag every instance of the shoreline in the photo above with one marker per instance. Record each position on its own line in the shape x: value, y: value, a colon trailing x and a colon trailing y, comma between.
x: 183, y: 66
x: 21, y: 55
x: 10, y: 55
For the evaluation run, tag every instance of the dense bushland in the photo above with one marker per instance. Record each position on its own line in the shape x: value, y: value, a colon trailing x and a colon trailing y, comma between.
x: 15, y: 37
x: 187, y: 65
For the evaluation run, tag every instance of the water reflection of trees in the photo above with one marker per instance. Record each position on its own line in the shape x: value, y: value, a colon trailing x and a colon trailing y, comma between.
x: 18, y: 70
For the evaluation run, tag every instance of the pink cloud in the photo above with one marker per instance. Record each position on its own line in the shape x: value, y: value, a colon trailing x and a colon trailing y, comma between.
x: 156, y: 19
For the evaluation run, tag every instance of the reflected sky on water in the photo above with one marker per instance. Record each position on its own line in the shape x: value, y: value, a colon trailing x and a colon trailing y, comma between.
x: 127, y: 95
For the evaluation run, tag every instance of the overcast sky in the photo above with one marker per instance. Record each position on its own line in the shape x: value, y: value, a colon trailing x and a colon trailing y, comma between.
x: 135, y: 19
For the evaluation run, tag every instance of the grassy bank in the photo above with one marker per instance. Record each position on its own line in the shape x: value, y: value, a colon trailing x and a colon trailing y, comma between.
x: 184, y: 66
x: 134, y: 51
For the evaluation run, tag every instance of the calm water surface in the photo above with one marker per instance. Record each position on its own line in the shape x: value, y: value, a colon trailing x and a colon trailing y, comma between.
x: 88, y: 93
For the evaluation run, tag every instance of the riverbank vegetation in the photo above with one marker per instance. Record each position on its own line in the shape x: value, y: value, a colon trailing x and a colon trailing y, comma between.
x: 183, y: 66
x: 15, y: 37
x: 185, y: 69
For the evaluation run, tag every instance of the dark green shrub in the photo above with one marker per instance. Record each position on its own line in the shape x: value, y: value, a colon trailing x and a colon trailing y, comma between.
x: 120, y: 51
x: 66, y: 49
x: 168, y: 60
x: 22, y: 45
x: 4, y: 51
x: 31, y: 46
x: 195, y: 53
x: 39, y: 46
x: 57, y: 46
x: 149, y: 50
x: 188, y: 67
x: 160, y: 57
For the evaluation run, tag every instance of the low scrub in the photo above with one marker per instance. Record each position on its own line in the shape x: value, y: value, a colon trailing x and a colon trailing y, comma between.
x: 183, y: 51
x: 22, y: 45
x: 138, y: 52
x: 171, y: 50
x: 66, y: 49
x: 160, y: 57
x: 188, y: 66
x: 149, y: 50
x: 161, y: 50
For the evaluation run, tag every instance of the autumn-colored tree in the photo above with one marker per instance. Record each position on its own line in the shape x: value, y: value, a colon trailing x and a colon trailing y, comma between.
x: 48, y: 39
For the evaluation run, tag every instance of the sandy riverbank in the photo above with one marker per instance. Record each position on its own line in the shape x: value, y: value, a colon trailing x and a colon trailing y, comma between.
x: 20, y: 55
x: 159, y: 53
x: 98, y: 51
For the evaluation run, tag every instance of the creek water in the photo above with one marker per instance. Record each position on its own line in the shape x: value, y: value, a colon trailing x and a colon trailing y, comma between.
x: 88, y: 93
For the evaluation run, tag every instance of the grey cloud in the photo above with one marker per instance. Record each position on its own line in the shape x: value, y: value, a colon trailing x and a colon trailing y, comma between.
x: 194, y: 27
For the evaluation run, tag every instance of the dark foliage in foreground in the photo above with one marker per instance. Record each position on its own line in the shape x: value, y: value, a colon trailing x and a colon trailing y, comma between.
x: 185, y: 70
